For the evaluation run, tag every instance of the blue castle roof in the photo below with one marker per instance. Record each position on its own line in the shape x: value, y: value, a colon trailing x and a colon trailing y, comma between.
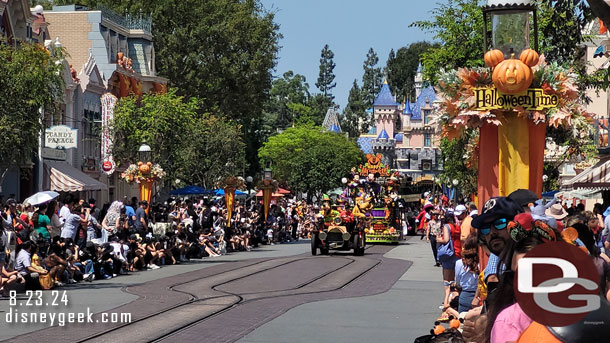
x: 427, y: 94
x: 383, y: 135
x: 407, y: 110
x: 365, y: 144
x: 385, y: 97
x: 398, y: 137
x: 335, y: 128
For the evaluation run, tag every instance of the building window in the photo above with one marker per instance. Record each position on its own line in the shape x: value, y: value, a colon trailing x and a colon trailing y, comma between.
x: 426, y: 117
x: 427, y: 139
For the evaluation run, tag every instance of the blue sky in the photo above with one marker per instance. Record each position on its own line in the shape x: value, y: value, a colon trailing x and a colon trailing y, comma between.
x: 350, y: 28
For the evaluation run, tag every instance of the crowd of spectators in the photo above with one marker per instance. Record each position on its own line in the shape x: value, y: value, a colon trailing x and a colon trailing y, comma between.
x: 54, y: 243
x: 478, y: 254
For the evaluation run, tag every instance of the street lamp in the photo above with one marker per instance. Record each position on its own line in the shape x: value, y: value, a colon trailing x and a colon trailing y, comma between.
x: 510, y: 28
x: 545, y: 178
x: 268, y: 174
x: 249, y: 181
x: 144, y: 152
x: 455, y: 182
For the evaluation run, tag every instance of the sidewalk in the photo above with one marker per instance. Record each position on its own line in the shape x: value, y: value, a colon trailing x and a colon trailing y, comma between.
x: 408, y: 310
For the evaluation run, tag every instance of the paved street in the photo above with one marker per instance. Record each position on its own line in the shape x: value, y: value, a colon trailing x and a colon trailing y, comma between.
x: 380, y: 295
x: 406, y: 311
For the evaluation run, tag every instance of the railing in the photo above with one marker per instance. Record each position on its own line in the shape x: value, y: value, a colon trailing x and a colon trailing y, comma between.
x: 130, y: 22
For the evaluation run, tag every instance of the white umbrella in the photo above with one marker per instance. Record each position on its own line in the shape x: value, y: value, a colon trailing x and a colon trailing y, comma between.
x: 41, y: 197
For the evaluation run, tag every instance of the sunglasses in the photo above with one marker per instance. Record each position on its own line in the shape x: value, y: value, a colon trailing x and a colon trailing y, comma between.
x: 499, y: 224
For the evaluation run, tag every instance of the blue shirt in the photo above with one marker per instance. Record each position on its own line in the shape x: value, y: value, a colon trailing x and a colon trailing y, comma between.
x: 129, y: 211
x: 464, y: 277
x: 492, y: 266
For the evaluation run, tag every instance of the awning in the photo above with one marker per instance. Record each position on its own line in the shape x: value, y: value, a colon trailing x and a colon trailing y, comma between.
x: 65, y: 178
x: 596, y: 177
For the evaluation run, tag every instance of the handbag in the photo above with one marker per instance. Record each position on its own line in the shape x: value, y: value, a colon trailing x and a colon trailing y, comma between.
x: 445, y: 251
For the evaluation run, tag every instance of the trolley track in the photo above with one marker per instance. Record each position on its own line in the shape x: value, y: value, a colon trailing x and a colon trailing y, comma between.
x: 210, y: 297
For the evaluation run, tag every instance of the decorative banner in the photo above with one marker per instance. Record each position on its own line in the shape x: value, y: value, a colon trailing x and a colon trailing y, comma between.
x: 61, y: 136
x: 489, y: 98
x: 146, y: 187
x: 108, y: 102
x: 229, y: 200
x: 267, y: 200
x: 373, y: 166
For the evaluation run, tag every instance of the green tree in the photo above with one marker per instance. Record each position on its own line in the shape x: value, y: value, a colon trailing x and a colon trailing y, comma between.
x: 220, y: 51
x: 216, y: 149
x: 455, y: 163
x: 288, y: 99
x: 31, y: 79
x: 371, y: 79
x: 458, y: 26
x: 189, y: 146
x: 319, y: 104
x: 401, y: 68
x: 310, y: 159
x: 354, y: 120
x: 326, y: 79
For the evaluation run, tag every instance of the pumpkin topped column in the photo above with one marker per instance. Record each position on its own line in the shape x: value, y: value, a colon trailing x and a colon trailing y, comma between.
x: 511, y: 154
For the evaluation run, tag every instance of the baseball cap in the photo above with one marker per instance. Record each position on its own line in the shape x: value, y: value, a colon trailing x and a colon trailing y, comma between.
x: 11, y: 201
x: 523, y: 197
x: 459, y: 209
x: 496, y: 208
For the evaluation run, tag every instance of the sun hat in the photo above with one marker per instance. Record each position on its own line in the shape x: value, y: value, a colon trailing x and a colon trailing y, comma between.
x: 459, y: 209
x: 556, y: 211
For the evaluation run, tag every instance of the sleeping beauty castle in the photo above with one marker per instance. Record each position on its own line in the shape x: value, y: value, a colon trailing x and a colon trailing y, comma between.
x: 405, y: 133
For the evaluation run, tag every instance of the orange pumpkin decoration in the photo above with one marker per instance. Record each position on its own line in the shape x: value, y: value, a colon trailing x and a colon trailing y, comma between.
x: 512, y: 76
x: 529, y: 57
x: 493, y: 57
x: 145, y: 168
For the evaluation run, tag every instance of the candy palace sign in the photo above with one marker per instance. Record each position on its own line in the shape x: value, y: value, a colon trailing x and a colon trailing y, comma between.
x: 534, y: 99
x: 61, y: 136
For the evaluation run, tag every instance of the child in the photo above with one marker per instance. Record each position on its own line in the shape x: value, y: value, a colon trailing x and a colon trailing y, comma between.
x: 454, y: 297
x: 270, y: 236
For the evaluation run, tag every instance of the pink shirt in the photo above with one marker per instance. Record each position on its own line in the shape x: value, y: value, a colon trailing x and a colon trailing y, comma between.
x: 509, y: 324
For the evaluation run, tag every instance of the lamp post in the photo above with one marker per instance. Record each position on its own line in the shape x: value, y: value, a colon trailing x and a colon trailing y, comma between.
x: 144, y: 153
x: 146, y: 185
x: 249, y: 181
x: 268, y: 188
x: 509, y: 27
x: 455, y: 183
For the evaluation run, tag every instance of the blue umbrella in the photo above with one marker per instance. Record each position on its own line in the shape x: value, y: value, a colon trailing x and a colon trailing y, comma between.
x: 222, y: 192
x: 189, y: 190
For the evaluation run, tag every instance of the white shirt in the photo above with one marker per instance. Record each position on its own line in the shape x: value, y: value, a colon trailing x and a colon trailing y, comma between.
x: 64, y: 213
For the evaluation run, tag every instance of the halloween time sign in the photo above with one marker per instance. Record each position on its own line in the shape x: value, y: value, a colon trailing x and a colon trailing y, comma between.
x: 533, y: 99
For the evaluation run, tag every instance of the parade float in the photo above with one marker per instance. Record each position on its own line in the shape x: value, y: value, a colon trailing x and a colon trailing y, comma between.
x: 373, y: 191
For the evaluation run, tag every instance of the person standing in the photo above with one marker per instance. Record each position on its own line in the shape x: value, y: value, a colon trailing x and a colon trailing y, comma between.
x: 433, y: 230
x: 73, y: 222
x: 66, y: 210
x: 129, y: 212
x: 141, y: 223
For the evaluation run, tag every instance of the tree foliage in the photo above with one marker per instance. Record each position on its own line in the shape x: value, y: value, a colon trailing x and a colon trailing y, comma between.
x: 458, y: 26
x: 189, y: 146
x: 455, y: 166
x: 371, y: 79
x: 401, y: 68
x: 309, y: 158
x: 326, y: 78
x: 220, y: 51
x: 30, y: 79
x: 288, y: 100
x: 354, y: 120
